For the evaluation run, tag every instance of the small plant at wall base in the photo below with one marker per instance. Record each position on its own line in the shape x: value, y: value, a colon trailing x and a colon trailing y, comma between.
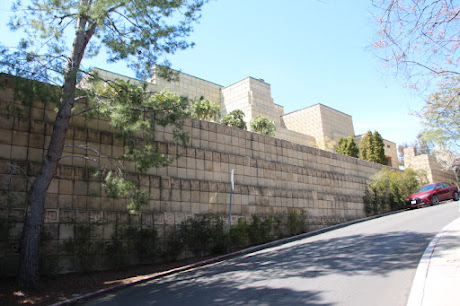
x: 297, y: 223
x: 3, y: 245
x: 235, y: 119
x: 239, y: 234
x: 133, y: 242
x: 259, y: 230
x: 388, y: 190
x: 263, y: 125
x: 82, y: 246
x: 173, y: 246
x: 204, y: 234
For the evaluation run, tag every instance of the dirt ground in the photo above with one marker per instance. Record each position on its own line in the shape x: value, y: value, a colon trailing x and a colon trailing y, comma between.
x: 62, y: 287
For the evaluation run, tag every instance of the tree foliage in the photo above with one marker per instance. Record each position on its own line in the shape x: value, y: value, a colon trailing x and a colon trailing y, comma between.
x: 419, y: 37
x: 388, y: 190
x: 347, y: 146
x: 136, y: 113
x: 365, y: 147
x: 236, y: 119
x: 441, y: 115
x: 206, y: 110
x: 263, y: 125
x: 372, y: 148
x: 449, y: 161
x: 142, y: 32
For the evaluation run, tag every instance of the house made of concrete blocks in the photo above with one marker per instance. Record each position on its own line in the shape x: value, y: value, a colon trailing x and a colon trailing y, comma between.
x: 317, y: 125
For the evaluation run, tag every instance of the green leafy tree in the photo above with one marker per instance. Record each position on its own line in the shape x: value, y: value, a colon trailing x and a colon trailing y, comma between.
x: 441, y: 115
x: 372, y: 148
x: 263, y: 126
x: 206, y: 110
x: 236, y: 119
x: 139, y: 31
x: 347, y: 146
x: 388, y: 190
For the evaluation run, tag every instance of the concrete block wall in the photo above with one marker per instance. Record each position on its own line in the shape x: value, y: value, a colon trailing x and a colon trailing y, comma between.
x: 272, y: 176
x: 295, y: 137
x: 190, y: 86
x: 336, y: 124
x: 321, y: 122
x: 427, y: 164
x: 236, y: 96
x: 306, y: 121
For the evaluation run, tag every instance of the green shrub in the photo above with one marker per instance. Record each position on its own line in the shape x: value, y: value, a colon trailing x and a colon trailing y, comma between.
x: 136, y: 241
x: 81, y: 246
x: 203, y: 235
x: 206, y: 110
x: 388, y: 190
x: 174, y: 246
x: 297, y: 223
x: 239, y: 234
x: 278, y: 225
x: 3, y: 245
x: 259, y: 230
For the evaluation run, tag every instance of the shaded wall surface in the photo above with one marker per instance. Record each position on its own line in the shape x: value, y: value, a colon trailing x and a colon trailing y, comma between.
x: 272, y: 176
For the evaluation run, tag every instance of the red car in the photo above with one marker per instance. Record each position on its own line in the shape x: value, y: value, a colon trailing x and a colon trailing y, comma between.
x: 432, y: 194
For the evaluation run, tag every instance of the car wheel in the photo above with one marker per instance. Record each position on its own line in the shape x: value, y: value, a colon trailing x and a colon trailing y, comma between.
x: 435, y: 200
x: 456, y: 196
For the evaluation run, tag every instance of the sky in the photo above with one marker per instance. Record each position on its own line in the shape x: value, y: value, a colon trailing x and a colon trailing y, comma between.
x: 309, y: 51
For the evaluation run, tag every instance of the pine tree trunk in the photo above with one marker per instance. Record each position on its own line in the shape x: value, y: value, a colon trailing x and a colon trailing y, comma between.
x: 28, y: 270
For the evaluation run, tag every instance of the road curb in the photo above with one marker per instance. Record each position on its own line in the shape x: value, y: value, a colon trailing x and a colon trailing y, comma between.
x: 253, y: 249
x: 417, y: 291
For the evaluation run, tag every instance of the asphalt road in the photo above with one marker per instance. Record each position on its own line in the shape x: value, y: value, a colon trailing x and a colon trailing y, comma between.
x: 369, y: 263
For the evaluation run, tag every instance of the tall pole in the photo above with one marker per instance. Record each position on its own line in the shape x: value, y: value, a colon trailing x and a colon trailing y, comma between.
x: 230, y: 210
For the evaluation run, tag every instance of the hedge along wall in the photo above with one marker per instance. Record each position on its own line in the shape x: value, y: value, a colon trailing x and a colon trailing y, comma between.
x: 272, y: 176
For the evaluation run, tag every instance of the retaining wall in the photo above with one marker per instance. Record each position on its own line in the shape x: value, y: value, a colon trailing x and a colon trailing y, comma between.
x: 272, y: 176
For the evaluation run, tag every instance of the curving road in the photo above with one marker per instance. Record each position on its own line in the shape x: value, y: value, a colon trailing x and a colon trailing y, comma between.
x: 369, y: 263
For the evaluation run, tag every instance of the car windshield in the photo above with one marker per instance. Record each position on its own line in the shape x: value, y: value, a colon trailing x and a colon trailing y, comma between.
x: 425, y: 188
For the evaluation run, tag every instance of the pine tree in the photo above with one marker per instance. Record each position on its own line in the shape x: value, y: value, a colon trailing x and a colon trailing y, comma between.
x: 372, y: 148
x: 378, y: 149
x: 365, y: 147
x: 347, y: 146
x: 138, y: 31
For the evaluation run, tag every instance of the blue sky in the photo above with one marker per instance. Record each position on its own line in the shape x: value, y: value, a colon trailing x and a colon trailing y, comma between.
x: 309, y: 51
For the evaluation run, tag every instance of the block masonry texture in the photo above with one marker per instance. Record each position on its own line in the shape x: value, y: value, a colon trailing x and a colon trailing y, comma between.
x: 272, y: 176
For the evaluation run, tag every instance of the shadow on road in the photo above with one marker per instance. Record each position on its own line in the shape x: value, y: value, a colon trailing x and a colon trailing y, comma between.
x: 283, y: 275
